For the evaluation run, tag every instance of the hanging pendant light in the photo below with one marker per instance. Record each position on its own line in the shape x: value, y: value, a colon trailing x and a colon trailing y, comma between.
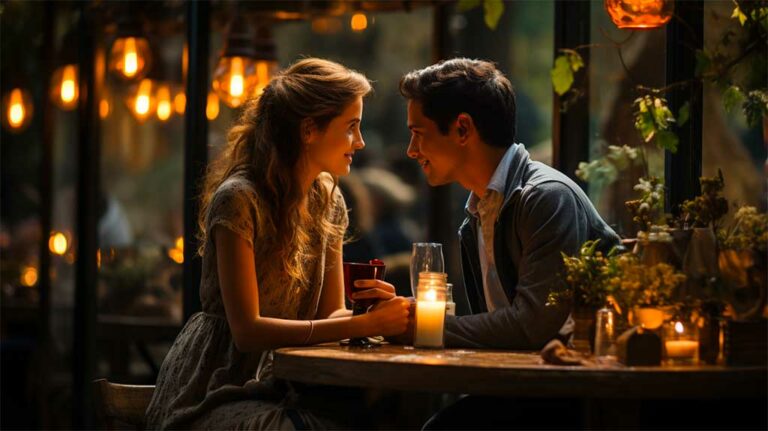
x: 640, y: 14
x: 164, y: 102
x: 142, y: 102
x: 17, y: 110
x: 65, y: 87
x: 246, y: 64
x: 212, y: 106
x: 358, y: 22
x: 235, y: 79
x: 130, y: 57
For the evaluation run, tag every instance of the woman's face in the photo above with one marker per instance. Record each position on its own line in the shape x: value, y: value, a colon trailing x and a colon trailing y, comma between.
x: 332, y: 150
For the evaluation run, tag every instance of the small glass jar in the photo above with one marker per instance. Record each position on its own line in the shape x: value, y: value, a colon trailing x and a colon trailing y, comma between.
x: 430, y: 310
x: 450, y: 305
x: 681, y: 343
x: 604, y: 333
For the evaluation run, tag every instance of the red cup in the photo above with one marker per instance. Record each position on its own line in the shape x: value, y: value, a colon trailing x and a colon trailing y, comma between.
x: 353, y: 271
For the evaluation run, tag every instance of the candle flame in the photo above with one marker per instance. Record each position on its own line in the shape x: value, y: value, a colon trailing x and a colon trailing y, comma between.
x: 679, y: 327
x: 431, y: 295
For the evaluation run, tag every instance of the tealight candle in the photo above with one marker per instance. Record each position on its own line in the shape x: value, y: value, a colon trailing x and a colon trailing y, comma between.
x: 430, y: 310
x: 681, y: 343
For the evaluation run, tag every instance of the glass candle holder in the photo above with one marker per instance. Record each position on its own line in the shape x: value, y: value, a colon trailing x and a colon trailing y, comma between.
x: 430, y: 310
x: 450, y: 305
x: 681, y: 343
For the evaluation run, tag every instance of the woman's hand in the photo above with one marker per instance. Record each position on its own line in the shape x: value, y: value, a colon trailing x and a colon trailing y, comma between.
x: 389, y: 317
x: 373, y: 289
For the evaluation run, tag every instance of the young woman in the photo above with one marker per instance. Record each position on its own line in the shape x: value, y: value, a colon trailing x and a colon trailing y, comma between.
x: 272, y: 223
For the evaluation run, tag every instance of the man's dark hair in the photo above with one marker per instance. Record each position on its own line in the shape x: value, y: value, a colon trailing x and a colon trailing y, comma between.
x: 459, y: 85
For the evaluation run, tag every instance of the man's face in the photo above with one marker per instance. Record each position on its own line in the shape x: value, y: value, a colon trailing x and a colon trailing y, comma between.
x: 439, y: 155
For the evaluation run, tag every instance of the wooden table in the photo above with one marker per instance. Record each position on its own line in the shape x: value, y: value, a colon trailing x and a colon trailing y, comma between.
x: 516, y: 374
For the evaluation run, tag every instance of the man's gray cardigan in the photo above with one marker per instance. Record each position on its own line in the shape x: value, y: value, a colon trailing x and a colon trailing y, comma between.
x: 543, y: 214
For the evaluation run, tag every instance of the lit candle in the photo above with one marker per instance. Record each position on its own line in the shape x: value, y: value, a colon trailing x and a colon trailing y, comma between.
x: 430, y: 310
x: 682, y: 348
x: 681, y: 343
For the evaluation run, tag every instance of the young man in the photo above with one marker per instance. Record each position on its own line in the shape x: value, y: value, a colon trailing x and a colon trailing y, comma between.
x: 521, y: 214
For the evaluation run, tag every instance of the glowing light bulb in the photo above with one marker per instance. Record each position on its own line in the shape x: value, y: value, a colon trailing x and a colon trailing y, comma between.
x: 180, y: 243
x: 180, y: 103
x: 359, y: 22
x: 16, y: 112
x: 164, y: 108
x: 130, y: 58
x: 212, y: 106
x: 236, y: 83
x: 29, y: 276
x: 68, y: 91
x: 143, y: 102
x: 57, y: 243
x: 104, y: 108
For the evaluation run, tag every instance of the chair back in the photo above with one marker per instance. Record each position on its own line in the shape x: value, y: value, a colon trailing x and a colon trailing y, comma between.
x: 123, y: 403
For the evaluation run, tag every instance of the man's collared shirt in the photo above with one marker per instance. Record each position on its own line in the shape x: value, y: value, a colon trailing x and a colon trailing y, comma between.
x: 486, y: 210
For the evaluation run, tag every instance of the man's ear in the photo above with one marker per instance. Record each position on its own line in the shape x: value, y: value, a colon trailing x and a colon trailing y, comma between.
x: 464, y: 126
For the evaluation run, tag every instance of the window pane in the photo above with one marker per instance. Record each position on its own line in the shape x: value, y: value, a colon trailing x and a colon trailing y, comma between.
x: 728, y: 141
x: 614, y: 75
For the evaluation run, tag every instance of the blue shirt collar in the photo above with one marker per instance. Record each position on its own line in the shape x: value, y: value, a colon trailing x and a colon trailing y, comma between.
x: 498, y: 182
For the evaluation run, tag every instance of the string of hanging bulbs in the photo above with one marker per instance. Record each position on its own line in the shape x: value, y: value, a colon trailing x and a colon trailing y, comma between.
x: 245, y: 66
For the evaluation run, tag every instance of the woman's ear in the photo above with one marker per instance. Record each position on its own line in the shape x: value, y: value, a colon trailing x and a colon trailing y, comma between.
x: 308, y: 128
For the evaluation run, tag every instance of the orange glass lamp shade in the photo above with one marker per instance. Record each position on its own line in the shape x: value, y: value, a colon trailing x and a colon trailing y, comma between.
x: 143, y: 103
x: 235, y: 80
x: 17, y: 110
x: 358, y: 22
x: 130, y: 58
x: 640, y: 14
x: 65, y: 87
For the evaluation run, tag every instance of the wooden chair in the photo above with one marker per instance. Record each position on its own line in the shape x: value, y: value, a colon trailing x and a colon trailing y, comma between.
x: 122, y: 403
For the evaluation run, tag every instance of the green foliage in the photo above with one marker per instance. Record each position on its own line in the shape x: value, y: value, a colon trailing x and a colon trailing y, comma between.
x: 732, y: 97
x: 738, y: 14
x: 648, y: 209
x: 605, y: 170
x: 707, y: 208
x: 683, y: 114
x: 653, y: 120
x: 703, y: 63
x: 621, y: 280
x: 566, y: 64
x: 492, y: 10
x: 748, y: 232
x: 755, y: 107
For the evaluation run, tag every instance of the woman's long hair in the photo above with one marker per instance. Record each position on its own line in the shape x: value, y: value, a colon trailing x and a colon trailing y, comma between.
x: 265, y: 145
